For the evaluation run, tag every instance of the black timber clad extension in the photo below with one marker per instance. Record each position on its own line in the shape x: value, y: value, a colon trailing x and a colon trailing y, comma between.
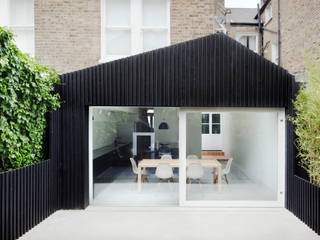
x: 213, y: 71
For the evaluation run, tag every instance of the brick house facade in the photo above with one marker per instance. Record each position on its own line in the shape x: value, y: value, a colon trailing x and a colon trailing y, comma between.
x: 68, y: 34
x: 300, y: 33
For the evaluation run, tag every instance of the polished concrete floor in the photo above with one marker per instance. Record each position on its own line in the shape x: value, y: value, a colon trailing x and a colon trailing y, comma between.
x: 176, y: 223
x: 115, y: 187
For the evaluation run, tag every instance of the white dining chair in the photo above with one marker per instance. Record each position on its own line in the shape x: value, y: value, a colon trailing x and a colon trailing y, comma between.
x: 192, y: 156
x: 166, y: 157
x: 135, y: 171
x: 164, y: 171
x: 194, y: 171
x: 226, y: 170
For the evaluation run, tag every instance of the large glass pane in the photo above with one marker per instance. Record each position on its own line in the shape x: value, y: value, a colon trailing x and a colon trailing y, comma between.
x: 25, y: 40
x: 118, y: 42
x: 127, y: 140
x: 153, y: 39
x: 246, y: 153
x: 155, y: 13
x: 21, y: 12
x: 117, y: 13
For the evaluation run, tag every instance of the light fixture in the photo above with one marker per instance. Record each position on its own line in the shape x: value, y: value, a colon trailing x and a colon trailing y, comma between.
x: 163, y: 125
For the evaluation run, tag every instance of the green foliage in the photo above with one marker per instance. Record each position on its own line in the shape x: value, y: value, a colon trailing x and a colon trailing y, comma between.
x: 25, y: 98
x: 307, y: 121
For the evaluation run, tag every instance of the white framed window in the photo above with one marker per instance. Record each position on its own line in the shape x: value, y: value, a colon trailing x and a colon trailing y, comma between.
x: 130, y: 27
x: 211, y: 123
x: 18, y: 15
x: 250, y: 40
x: 274, y: 53
x: 268, y: 13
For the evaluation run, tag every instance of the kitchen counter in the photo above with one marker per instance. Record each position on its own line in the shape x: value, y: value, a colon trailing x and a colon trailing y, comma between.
x: 104, y: 150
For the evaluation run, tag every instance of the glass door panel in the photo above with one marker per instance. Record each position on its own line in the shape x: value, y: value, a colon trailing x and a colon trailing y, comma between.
x: 240, y: 167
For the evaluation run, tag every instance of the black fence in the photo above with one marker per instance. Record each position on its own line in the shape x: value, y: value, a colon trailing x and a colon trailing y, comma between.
x: 302, y: 197
x: 305, y: 202
x: 27, y: 195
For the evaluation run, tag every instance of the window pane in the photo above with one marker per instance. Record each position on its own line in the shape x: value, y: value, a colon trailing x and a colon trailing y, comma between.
x: 155, y: 13
x: 215, y: 118
x: 243, y: 40
x: 25, y: 40
x: 205, y: 118
x: 21, y: 12
x: 153, y: 39
x: 205, y: 128
x: 118, y: 42
x: 117, y: 13
x: 216, y: 129
x: 252, y: 43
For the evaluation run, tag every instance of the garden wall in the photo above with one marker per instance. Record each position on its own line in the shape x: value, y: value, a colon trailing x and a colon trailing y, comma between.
x: 27, y: 196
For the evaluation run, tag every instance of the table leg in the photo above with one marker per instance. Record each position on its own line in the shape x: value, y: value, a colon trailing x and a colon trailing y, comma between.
x: 219, y: 174
x: 139, y: 179
x: 214, y: 175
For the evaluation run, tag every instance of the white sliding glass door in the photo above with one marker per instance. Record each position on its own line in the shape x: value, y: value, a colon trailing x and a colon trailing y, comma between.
x: 248, y: 168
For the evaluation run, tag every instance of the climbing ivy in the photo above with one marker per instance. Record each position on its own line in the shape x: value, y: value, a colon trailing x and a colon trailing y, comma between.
x: 26, y: 95
x: 307, y: 121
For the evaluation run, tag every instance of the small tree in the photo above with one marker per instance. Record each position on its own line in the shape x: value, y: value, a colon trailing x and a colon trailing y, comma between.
x: 307, y: 121
x: 25, y: 97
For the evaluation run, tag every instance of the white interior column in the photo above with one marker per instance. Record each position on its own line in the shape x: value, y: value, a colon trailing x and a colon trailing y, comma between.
x: 182, y: 157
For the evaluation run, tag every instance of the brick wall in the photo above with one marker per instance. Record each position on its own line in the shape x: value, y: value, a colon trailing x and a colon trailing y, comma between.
x: 192, y: 19
x: 270, y: 38
x: 67, y: 33
x: 300, y: 32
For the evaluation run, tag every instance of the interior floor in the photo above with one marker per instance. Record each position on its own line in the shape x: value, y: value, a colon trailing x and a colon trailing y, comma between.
x: 115, y: 186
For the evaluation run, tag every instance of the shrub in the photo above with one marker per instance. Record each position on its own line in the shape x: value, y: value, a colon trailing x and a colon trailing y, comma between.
x: 26, y: 95
x: 307, y: 121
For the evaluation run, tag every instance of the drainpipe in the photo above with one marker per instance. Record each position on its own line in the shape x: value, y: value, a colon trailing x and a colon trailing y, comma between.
x: 279, y: 34
x: 260, y: 31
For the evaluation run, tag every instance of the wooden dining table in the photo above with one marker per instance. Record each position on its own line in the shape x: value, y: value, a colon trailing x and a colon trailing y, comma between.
x: 212, y: 162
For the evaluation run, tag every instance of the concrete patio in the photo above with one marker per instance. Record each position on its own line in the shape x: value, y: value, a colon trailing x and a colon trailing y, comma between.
x: 172, y: 223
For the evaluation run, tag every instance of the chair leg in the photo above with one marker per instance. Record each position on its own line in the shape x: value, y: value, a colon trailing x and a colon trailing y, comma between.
x: 188, y: 181
x: 145, y: 179
x: 160, y: 180
x: 199, y: 182
x: 225, y: 176
x: 135, y: 179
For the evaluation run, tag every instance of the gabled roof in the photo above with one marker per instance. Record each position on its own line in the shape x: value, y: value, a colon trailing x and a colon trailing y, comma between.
x: 212, y: 71
x: 242, y: 15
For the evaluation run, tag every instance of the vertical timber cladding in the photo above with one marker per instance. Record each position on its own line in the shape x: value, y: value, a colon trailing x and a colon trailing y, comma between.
x: 213, y: 71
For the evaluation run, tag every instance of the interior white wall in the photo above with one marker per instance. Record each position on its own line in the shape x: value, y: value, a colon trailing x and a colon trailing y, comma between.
x: 193, y: 142
x: 171, y: 117
x: 108, y: 124
x: 252, y: 140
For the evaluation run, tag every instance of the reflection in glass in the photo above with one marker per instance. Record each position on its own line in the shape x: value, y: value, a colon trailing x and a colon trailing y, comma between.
x: 126, y: 139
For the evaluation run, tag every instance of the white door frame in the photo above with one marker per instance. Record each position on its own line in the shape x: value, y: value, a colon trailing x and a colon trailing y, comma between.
x: 90, y: 148
x: 281, y: 161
